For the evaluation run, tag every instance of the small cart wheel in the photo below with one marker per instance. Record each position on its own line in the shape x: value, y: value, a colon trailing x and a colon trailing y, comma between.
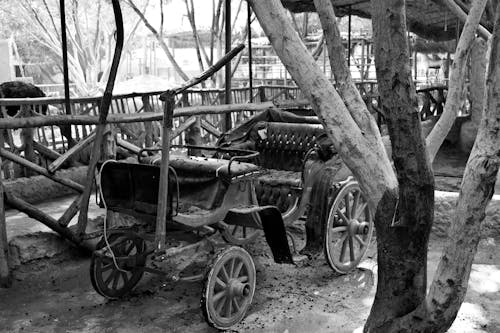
x: 349, y: 229
x: 229, y: 287
x: 239, y: 235
x: 115, y: 278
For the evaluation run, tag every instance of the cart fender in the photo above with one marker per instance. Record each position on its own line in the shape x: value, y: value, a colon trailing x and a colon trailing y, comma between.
x: 275, y: 233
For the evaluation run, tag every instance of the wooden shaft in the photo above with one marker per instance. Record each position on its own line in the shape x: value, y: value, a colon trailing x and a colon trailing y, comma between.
x: 161, y: 218
x: 38, y: 169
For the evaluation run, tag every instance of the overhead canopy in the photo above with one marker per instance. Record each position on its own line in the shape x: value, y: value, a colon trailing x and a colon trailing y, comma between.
x: 430, y: 19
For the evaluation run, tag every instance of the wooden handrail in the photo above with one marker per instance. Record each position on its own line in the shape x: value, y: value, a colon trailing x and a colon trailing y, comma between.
x: 38, y: 121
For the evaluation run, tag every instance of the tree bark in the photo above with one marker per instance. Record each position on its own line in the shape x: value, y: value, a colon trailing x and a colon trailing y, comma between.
x: 368, y: 164
x: 344, y: 82
x: 457, y: 79
x: 402, y: 244
x: 448, y: 289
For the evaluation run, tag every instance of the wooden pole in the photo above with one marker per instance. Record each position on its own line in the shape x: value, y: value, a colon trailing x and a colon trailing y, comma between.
x: 103, y: 114
x: 250, y: 60
x: 161, y: 217
x: 227, y: 96
x: 5, y: 273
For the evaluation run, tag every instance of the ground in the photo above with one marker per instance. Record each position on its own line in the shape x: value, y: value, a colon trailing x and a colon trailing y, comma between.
x: 57, y: 296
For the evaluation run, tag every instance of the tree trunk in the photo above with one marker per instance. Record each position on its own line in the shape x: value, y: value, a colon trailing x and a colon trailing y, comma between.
x: 448, y: 289
x: 457, y: 80
x: 369, y: 164
x: 402, y: 244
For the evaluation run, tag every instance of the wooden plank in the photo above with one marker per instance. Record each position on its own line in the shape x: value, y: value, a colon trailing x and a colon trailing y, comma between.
x: 54, y: 166
x: 210, y: 128
x: 5, y: 273
x: 38, y: 169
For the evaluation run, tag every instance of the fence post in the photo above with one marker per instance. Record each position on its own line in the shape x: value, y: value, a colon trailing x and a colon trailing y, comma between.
x: 27, y: 140
x: 5, y: 273
x: 262, y: 94
x: 148, y: 125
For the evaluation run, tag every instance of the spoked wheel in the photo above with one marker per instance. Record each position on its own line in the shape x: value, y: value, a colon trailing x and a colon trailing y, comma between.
x: 349, y: 229
x: 239, y: 235
x: 229, y: 288
x: 114, y: 278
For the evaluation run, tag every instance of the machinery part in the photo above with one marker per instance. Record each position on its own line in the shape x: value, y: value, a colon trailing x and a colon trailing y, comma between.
x: 349, y: 228
x: 116, y: 270
x: 239, y: 235
x: 228, y: 288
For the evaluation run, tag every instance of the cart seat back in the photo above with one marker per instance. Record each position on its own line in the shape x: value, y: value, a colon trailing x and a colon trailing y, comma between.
x: 283, y: 146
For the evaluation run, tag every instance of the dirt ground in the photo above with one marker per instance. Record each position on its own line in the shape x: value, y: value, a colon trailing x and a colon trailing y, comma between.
x: 51, y: 296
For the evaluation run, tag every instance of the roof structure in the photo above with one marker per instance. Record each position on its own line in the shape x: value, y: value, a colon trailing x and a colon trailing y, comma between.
x: 430, y: 19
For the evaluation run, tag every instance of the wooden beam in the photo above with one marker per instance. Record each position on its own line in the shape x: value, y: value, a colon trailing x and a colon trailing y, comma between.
x: 128, y: 146
x: 71, y: 152
x: 45, y: 151
x: 19, y: 160
x: 70, y: 212
x: 182, y: 127
x: 145, y: 116
x: 210, y: 128
x: 40, y: 216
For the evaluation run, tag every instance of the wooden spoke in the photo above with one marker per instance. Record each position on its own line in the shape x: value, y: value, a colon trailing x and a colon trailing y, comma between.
x: 224, y: 273
x: 347, y: 207
x: 220, y: 282
x: 237, y: 306
x: 343, y: 217
x: 221, y: 304
x: 229, y: 306
x: 243, y: 278
x: 355, y: 204
x: 116, y: 279
x: 110, y: 277
x: 124, y: 277
x: 360, y: 240
x: 231, y: 269
x: 219, y: 295
x: 361, y: 210
x: 344, y: 247
x: 339, y: 229
x: 234, y: 230
x: 352, y: 256
x: 237, y: 270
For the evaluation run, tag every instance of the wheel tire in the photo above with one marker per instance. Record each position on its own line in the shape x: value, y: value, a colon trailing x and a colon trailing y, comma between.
x: 118, y: 282
x: 228, y: 287
x: 350, y: 223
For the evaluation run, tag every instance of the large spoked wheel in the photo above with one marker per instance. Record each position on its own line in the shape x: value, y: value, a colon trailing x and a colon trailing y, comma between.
x: 114, y: 279
x: 229, y: 288
x: 349, y: 229
x: 239, y: 235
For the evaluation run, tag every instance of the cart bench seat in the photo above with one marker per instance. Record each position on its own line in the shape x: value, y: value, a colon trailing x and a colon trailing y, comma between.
x: 275, y: 177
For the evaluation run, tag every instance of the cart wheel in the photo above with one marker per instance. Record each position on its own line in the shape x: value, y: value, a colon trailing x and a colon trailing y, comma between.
x: 115, y: 280
x: 239, y: 235
x: 228, y: 288
x: 349, y: 229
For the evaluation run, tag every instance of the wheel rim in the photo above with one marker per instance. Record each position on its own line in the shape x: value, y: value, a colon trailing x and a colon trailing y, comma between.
x: 349, y: 229
x: 109, y: 280
x: 229, y: 288
x: 239, y: 235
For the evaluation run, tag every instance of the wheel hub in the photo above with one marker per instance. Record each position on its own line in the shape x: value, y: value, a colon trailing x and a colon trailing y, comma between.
x: 358, y: 228
x: 238, y: 288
